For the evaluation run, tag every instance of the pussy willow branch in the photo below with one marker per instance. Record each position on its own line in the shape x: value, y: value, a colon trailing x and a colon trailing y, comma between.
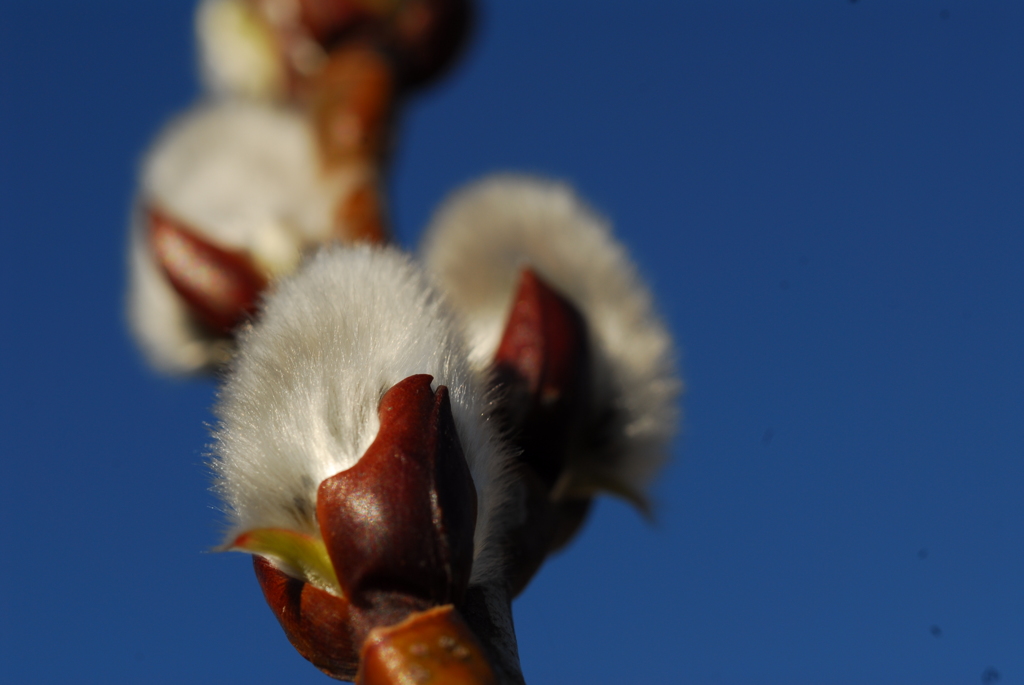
x: 401, y: 443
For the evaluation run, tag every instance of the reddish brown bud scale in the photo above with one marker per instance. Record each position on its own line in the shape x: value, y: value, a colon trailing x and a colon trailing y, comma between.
x: 222, y: 287
x: 433, y: 647
x: 327, y: 630
x: 317, y: 623
x: 401, y: 521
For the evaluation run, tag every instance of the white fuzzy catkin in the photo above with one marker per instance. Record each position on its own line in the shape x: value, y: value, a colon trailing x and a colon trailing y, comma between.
x: 244, y: 176
x: 300, y: 401
x: 247, y: 176
x: 477, y: 245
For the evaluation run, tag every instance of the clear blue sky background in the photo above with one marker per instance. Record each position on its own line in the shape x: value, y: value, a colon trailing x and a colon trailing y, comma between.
x: 828, y: 199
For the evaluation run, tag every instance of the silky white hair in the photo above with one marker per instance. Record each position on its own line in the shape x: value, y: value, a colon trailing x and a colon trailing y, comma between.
x: 300, y: 401
x: 477, y: 245
x: 244, y: 176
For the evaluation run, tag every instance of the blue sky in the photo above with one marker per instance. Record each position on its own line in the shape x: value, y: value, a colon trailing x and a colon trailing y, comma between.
x: 827, y: 198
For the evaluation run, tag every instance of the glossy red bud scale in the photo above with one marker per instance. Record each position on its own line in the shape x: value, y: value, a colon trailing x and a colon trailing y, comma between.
x: 402, y: 519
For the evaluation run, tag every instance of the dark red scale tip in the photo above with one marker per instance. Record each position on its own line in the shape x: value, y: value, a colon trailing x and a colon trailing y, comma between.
x: 222, y: 287
x: 543, y: 363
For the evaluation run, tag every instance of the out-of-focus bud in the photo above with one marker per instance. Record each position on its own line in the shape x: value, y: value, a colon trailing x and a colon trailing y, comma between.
x: 369, y: 495
x: 276, y: 48
x: 231, y: 195
x: 249, y: 176
x: 583, y: 366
